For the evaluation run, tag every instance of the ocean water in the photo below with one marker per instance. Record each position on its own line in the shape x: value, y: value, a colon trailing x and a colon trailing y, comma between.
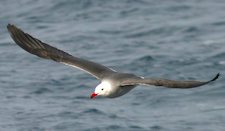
x: 175, y: 39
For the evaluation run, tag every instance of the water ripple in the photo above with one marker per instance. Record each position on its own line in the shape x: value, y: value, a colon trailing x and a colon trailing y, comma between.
x: 148, y: 37
x: 93, y: 111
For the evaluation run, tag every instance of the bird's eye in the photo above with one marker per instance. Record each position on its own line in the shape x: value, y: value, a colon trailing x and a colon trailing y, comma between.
x: 102, y: 89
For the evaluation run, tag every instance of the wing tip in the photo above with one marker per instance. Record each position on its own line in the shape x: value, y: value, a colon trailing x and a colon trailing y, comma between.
x: 216, y: 77
x: 10, y: 26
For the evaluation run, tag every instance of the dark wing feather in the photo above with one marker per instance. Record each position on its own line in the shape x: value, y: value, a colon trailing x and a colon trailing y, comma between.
x: 166, y: 83
x: 37, y: 47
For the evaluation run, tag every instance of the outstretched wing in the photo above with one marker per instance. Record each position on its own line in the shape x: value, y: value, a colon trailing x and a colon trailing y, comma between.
x: 37, y: 47
x: 166, y: 83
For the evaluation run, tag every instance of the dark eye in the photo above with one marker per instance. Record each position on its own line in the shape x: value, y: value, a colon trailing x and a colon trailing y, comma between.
x: 102, y: 89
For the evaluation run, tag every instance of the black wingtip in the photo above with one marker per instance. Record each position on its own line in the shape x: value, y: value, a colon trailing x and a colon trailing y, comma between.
x: 216, y: 77
x: 10, y: 27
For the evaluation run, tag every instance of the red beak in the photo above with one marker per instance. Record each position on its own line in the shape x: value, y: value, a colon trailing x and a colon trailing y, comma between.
x: 93, y: 95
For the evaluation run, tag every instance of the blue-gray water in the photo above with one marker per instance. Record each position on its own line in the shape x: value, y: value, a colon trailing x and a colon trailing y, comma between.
x: 174, y: 39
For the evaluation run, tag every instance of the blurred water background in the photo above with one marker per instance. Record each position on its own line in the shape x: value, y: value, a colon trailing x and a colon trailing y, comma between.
x: 174, y: 39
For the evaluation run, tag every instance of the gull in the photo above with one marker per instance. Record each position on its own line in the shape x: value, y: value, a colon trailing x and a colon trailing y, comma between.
x: 112, y: 83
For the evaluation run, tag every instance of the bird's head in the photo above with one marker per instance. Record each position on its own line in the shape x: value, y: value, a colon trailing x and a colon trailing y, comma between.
x: 103, y: 89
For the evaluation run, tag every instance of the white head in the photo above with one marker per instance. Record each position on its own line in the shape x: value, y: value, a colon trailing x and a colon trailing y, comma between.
x: 103, y: 89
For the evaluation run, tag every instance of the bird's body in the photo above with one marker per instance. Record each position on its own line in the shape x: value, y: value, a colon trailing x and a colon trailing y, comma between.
x: 113, y: 84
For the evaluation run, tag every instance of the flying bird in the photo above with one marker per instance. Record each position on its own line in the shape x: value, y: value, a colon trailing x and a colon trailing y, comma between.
x: 112, y: 83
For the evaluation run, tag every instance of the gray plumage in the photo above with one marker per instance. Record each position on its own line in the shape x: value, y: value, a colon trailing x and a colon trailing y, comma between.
x: 121, y: 83
x: 39, y: 48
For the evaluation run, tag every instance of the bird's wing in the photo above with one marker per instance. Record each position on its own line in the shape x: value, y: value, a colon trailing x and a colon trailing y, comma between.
x: 41, y: 49
x: 166, y: 83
